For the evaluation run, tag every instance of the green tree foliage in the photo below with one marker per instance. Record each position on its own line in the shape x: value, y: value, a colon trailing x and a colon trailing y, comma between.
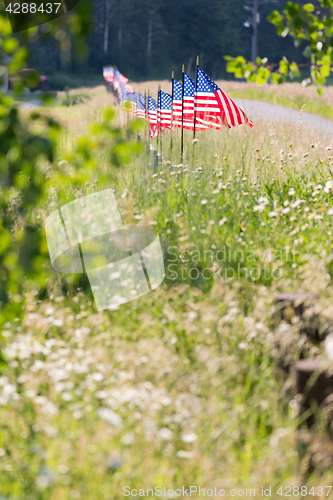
x: 308, y: 24
x: 148, y: 39
x: 25, y: 157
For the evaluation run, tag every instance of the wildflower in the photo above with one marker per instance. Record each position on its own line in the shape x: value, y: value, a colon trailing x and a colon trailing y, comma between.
x: 223, y: 221
x: 127, y: 439
x: 110, y: 416
x: 259, y: 208
x: 273, y: 214
x: 63, y: 469
x: 297, y: 203
x: 165, y: 434
x: 43, y: 481
x: 291, y: 191
x: 189, y: 437
x: 328, y: 186
x: 285, y: 210
x: 75, y: 494
x: 192, y: 315
x: 184, y: 454
x: 203, y: 202
x: 263, y: 200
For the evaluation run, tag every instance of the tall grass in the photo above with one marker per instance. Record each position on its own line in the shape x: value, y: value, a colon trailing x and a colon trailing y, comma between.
x: 181, y: 387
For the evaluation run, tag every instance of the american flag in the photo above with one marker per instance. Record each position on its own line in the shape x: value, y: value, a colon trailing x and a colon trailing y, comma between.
x: 122, y: 92
x: 152, y: 117
x: 108, y: 74
x: 131, y: 99
x: 164, y: 110
x: 207, y: 109
x: 120, y: 77
x: 189, y: 100
x: 140, y: 106
x: 177, y: 103
x: 214, y: 106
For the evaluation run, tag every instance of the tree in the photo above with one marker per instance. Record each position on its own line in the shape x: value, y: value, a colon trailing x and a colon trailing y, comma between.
x: 304, y: 23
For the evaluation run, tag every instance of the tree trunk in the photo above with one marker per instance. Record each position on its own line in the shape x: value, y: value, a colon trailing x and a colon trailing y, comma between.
x: 106, y: 27
x: 149, y: 41
x: 120, y: 39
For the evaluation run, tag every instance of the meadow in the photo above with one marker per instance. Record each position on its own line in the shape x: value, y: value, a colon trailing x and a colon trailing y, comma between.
x: 182, y: 387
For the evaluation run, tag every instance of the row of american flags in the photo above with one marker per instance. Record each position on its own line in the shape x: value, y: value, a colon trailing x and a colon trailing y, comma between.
x: 117, y: 81
x: 199, y: 105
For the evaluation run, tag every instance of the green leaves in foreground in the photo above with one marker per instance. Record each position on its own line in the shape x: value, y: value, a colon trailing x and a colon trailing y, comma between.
x: 304, y: 23
x: 261, y: 71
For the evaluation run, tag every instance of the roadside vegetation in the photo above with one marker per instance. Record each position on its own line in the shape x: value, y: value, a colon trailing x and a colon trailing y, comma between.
x: 183, y: 386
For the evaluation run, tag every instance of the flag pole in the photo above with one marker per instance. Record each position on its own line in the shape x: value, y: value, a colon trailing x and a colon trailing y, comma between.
x: 160, y: 127
x: 158, y: 113
x: 159, y: 119
x: 195, y: 104
x: 182, y: 136
x: 147, y: 127
x: 172, y: 78
x: 195, y: 96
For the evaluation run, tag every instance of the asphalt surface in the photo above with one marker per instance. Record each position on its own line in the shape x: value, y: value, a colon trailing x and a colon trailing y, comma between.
x: 267, y: 111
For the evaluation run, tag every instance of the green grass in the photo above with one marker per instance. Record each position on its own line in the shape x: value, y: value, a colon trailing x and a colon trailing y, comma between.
x: 316, y: 106
x: 182, y: 387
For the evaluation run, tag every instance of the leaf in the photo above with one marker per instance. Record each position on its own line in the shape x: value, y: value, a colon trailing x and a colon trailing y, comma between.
x: 276, y: 78
x: 325, y: 70
x: 308, y: 7
x: 108, y: 114
x: 307, y: 51
x: 231, y: 67
x: 283, y: 67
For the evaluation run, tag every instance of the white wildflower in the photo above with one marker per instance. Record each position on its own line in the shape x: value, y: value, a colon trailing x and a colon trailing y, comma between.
x: 184, y: 454
x: 165, y: 434
x: 297, y: 203
x: 259, y: 208
x: 110, y: 416
x: 223, y: 221
x: 328, y: 186
x: 189, y: 437
x: 63, y: 469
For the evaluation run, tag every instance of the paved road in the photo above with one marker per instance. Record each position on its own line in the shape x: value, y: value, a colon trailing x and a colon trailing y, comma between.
x: 255, y: 109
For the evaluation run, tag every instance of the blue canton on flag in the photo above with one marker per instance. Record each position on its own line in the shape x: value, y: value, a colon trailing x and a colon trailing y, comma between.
x: 177, y: 91
x: 164, y: 110
x: 140, y: 106
x: 188, y: 86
